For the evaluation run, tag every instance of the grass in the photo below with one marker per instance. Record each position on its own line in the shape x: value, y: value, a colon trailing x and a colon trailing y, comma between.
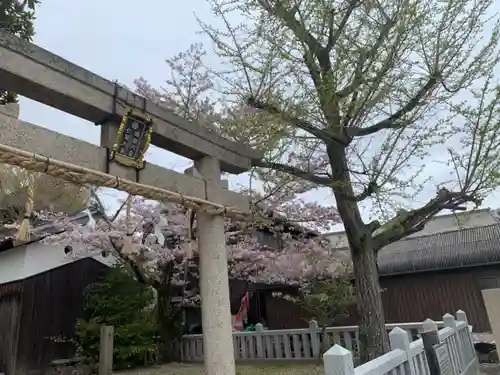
x: 254, y: 369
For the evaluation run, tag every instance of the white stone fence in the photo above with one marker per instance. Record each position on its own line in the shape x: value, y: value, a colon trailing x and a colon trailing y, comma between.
x: 448, y: 351
x: 290, y: 344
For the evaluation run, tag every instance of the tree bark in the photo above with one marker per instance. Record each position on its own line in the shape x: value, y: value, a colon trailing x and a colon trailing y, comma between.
x: 373, y: 338
x: 169, y: 330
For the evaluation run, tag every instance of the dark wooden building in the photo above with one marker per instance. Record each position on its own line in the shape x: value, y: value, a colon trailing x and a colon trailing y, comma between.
x: 39, y: 311
x: 424, y: 277
x: 41, y: 296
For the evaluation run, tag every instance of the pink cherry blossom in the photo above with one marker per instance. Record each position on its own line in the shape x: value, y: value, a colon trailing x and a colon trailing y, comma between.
x: 159, y: 237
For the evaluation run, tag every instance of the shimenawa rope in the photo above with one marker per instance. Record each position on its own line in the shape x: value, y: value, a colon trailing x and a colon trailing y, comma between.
x: 81, y: 175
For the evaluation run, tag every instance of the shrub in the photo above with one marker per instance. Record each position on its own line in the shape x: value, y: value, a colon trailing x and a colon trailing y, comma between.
x: 120, y: 301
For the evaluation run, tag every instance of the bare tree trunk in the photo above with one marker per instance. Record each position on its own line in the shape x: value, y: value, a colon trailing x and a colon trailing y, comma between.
x: 168, y: 329
x: 373, y: 339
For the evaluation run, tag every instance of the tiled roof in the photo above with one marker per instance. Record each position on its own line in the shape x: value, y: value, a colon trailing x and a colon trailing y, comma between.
x: 43, y: 229
x: 459, y: 248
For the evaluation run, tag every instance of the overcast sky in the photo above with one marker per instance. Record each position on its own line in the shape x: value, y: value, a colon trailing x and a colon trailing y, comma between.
x: 117, y: 42
x: 100, y: 35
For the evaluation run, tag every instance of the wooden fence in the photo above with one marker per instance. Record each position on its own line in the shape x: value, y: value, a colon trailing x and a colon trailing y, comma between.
x: 447, y: 351
x: 292, y: 344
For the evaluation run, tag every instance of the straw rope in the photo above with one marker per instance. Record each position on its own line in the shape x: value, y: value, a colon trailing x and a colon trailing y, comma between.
x: 189, y: 223
x: 23, y: 234
x: 127, y: 244
x: 81, y: 175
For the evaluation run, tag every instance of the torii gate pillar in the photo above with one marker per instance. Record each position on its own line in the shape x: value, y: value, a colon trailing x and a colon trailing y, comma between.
x: 214, y: 280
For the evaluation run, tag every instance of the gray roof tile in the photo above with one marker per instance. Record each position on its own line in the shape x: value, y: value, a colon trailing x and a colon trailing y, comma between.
x: 459, y: 248
x: 43, y: 229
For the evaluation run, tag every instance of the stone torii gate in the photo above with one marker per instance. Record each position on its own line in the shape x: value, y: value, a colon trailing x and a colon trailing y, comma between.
x: 47, y: 78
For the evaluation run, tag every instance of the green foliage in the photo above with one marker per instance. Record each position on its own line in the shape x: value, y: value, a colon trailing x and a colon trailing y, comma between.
x: 326, y: 300
x: 16, y: 17
x: 120, y: 301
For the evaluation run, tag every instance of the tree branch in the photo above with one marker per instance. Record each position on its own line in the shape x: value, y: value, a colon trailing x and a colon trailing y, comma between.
x: 409, y: 222
x: 373, y: 226
x: 295, y: 172
x: 318, y: 133
x: 366, y: 60
x: 313, y: 69
x: 115, y: 216
x: 301, y: 33
x: 94, y: 195
x: 138, y: 272
x: 334, y: 35
x: 368, y: 191
x: 393, y: 121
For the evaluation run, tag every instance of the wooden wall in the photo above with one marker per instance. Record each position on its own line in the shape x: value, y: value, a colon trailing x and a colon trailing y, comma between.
x: 10, y: 302
x: 430, y: 295
x: 50, y: 304
x: 409, y: 298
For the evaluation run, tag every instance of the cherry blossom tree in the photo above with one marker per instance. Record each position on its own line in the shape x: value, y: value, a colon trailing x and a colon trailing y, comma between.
x: 158, y: 242
x: 392, y: 106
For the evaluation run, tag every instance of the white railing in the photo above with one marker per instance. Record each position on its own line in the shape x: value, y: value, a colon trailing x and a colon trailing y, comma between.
x: 290, y: 344
x: 448, y: 351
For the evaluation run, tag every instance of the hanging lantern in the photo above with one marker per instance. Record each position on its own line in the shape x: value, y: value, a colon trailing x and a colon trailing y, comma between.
x: 132, y: 139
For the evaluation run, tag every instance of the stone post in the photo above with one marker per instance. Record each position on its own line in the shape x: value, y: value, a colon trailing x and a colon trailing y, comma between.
x: 399, y: 339
x: 106, y: 350
x: 214, y: 281
x: 315, y: 338
x: 430, y: 338
x: 338, y: 361
x: 491, y: 299
x: 259, y: 328
x: 456, y: 351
